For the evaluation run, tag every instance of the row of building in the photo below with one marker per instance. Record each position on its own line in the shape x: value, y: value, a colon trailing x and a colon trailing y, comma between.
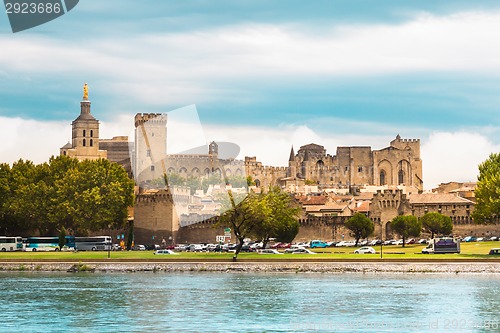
x: 379, y: 183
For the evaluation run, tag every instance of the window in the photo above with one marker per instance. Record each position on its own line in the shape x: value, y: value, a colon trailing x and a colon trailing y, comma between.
x: 360, y: 169
x: 401, y: 177
x: 84, y: 133
x: 152, y: 168
x: 84, y: 142
x: 91, y: 133
x: 148, y: 152
x: 91, y: 143
x: 382, y: 177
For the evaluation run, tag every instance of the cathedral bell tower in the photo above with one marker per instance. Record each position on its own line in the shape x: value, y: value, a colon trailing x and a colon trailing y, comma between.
x: 85, y: 134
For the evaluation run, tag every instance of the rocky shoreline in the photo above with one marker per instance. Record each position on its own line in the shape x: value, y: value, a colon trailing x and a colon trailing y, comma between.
x: 274, y: 267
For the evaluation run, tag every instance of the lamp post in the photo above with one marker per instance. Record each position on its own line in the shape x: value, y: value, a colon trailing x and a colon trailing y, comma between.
x: 109, y: 245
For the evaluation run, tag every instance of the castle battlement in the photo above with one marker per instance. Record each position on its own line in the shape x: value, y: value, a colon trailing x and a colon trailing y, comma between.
x: 150, y: 118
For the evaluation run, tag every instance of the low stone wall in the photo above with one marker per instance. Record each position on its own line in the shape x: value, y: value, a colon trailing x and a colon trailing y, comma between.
x: 253, y: 267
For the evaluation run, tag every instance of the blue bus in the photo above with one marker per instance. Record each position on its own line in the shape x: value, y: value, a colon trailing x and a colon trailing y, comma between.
x: 49, y: 244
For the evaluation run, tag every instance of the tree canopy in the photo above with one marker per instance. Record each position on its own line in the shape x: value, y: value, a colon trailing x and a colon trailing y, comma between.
x: 79, y: 196
x: 437, y: 223
x: 406, y: 226
x: 487, y: 193
x: 262, y: 216
x: 360, y: 226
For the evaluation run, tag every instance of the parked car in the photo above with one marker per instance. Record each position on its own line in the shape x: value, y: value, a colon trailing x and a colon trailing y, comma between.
x: 423, y: 241
x: 469, y: 239
x: 293, y: 248
x: 480, y: 239
x: 493, y: 238
x: 269, y: 251
x: 165, y: 251
x: 303, y: 251
x: 303, y: 244
x: 410, y: 241
x: 365, y: 249
x: 363, y: 242
x: 398, y: 242
x: 281, y: 246
x: 375, y: 242
x: 495, y: 252
x: 318, y: 243
x: 140, y: 247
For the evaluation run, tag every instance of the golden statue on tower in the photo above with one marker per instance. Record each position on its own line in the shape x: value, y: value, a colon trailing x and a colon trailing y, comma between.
x: 85, y: 92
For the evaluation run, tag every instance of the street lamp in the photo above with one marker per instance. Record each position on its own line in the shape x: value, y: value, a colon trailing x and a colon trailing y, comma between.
x: 111, y: 240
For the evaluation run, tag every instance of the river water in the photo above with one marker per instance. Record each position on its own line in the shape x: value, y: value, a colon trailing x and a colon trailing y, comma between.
x: 245, y: 302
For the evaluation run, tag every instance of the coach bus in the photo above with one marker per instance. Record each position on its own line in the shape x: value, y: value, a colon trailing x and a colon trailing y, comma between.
x: 96, y: 243
x: 49, y: 244
x: 11, y: 243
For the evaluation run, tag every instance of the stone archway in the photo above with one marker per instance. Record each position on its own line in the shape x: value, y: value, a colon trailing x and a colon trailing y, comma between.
x: 388, y: 231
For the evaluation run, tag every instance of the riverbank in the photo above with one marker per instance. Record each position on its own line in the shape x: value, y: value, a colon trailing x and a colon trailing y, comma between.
x: 285, y: 267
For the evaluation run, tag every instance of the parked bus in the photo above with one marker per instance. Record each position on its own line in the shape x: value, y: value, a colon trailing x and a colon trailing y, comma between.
x: 97, y: 243
x: 11, y: 243
x: 49, y: 244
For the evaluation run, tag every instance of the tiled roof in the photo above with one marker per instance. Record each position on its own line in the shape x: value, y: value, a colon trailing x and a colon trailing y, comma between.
x: 438, y: 198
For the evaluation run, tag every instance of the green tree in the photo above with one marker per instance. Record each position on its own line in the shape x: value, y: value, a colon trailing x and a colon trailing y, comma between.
x: 94, y: 196
x: 62, y: 238
x: 243, y: 215
x: 487, y: 193
x: 437, y: 223
x: 360, y: 226
x: 281, y: 217
x: 406, y: 226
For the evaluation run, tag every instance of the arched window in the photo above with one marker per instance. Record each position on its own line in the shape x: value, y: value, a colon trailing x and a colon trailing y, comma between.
x: 84, y: 132
x: 91, y: 133
x: 91, y: 143
x: 401, y: 176
x: 84, y: 142
x: 382, y: 178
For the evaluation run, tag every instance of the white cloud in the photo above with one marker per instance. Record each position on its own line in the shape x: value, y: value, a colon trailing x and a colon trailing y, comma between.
x: 454, y: 156
x: 170, y: 67
x: 31, y: 140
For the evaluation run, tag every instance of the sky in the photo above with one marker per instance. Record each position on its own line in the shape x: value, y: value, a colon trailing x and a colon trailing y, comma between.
x: 265, y: 75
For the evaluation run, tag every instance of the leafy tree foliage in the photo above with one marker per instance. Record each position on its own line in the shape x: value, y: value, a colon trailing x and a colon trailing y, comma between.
x: 487, y: 193
x: 80, y: 196
x: 280, y: 220
x: 360, y: 226
x: 244, y: 217
x: 406, y: 226
x: 263, y: 216
x: 437, y: 223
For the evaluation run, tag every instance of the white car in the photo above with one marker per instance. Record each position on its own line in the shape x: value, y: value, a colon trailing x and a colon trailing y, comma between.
x: 165, y: 252
x: 303, y: 251
x: 269, y: 251
x: 365, y: 249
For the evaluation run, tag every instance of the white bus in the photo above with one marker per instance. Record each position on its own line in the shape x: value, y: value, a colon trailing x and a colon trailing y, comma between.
x: 11, y: 243
x: 96, y: 243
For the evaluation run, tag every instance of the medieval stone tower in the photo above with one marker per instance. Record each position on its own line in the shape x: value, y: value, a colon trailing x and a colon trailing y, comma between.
x: 150, y: 149
x: 85, y: 134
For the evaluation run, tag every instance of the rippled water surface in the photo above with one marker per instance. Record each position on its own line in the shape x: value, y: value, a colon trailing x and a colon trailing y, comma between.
x: 226, y: 302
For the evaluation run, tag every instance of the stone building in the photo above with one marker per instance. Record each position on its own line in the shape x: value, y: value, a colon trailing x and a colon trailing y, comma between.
x: 84, y: 135
x: 398, y: 164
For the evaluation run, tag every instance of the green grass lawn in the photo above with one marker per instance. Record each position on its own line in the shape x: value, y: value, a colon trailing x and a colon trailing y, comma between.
x: 476, y: 250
